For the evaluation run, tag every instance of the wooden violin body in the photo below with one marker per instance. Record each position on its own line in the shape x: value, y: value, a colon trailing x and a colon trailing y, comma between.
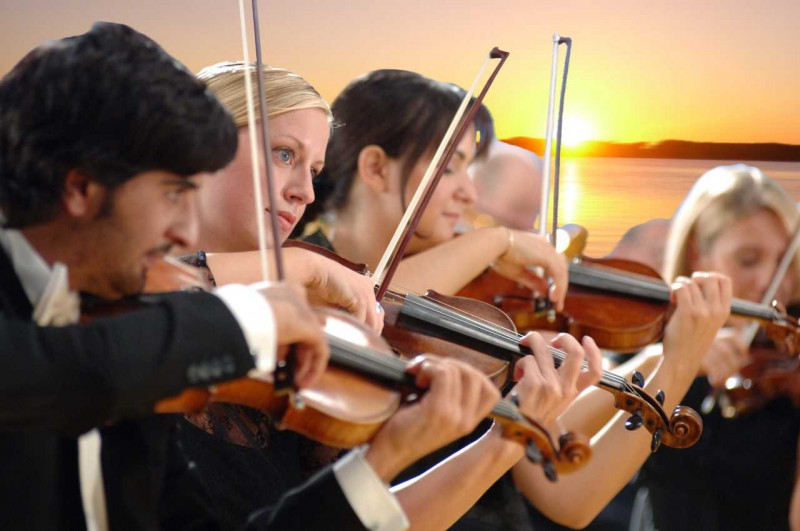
x: 616, y: 322
x: 342, y: 409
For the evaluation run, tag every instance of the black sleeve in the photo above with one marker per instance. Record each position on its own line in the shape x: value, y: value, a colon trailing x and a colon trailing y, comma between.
x: 319, y: 503
x: 77, y: 377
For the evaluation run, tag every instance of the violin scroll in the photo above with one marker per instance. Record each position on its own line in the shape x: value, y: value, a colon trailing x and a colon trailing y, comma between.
x: 680, y: 430
x: 686, y: 426
x: 570, y: 453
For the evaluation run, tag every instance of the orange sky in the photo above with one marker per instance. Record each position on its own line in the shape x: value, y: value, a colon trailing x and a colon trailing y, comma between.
x: 726, y: 70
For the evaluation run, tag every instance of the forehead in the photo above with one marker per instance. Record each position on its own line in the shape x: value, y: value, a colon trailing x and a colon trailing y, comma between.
x: 761, y: 230
x: 310, y: 127
x: 467, y: 146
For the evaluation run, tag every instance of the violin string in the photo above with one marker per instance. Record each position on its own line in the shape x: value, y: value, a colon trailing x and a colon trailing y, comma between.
x: 497, y: 330
x: 375, y: 363
x: 649, y: 287
x: 503, y: 333
x: 509, y: 336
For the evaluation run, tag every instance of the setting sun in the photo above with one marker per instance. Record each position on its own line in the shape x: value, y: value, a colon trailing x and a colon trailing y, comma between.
x: 576, y: 131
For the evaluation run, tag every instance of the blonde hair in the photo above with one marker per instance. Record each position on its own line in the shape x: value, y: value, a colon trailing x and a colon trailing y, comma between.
x: 718, y: 199
x: 284, y: 90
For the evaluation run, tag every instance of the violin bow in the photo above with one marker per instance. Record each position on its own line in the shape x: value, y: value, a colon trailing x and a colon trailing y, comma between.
x: 284, y: 371
x: 543, y: 305
x: 556, y: 175
x: 447, y: 147
x: 548, y: 141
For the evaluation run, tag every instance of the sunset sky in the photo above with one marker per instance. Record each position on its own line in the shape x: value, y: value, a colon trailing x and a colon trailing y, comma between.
x: 724, y: 70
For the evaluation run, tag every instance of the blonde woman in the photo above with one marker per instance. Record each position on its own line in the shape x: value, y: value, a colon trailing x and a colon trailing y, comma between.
x: 247, y: 462
x: 741, y: 474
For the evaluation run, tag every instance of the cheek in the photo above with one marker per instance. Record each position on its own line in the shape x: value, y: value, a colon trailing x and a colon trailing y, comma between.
x: 236, y: 203
x: 433, y: 212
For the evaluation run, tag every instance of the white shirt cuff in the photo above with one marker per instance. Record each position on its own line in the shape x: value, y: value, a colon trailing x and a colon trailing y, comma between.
x: 254, y: 315
x: 368, y: 495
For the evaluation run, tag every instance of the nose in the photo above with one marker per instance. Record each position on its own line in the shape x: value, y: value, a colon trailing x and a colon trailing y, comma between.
x: 466, y: 190
x: 763, y: 279
x: 185, y: 228
x: 300, y: 188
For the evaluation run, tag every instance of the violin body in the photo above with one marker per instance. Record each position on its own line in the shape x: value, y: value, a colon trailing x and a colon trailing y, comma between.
x: 409, y: 342
x: 771, y: 372
x: 342, y: 409
x: 615, y: 322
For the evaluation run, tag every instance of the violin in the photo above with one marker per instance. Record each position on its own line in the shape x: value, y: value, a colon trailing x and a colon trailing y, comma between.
x: 360, y: 390
x: 623, y: 305
x: 771, y: 372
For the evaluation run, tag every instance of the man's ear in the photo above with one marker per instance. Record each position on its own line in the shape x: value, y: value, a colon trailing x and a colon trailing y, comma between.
x: 373, y: 168
x: 82, y: 197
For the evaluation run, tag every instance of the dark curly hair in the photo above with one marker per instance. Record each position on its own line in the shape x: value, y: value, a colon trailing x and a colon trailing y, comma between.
x: 403, y: 112
x: 110, y: 103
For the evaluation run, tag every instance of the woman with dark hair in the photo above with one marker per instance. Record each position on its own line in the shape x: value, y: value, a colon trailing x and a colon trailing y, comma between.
x: 390, y: 124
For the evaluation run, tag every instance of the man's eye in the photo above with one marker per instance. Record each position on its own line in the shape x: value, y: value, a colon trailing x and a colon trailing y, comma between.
x: 174, y: 195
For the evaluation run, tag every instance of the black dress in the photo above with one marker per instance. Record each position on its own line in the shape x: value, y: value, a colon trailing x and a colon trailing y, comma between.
x: 244, y: 461
x: 739, y: 475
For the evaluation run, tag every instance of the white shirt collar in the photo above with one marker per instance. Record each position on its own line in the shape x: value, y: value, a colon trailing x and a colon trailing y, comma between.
x: 47, y: 288
x: 32, y: 271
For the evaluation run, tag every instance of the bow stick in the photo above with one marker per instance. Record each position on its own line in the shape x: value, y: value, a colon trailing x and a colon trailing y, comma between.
x: 284, y: 371
x: 543, y: 305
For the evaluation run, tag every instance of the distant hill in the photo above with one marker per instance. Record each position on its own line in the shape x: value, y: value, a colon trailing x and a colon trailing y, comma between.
x: 671, y: 149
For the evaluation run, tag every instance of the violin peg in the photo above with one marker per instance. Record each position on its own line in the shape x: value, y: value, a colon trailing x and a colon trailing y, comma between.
x: 298, y: 402
x: 656, y: 440
x: 637, y: 379
x: 635, y: 422
x: 660, y: 396
x: 533, y: 453
x: 549, y: 470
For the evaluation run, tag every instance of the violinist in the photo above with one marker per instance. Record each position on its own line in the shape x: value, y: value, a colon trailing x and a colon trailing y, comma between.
x: 240, y: 453
x: 373, y: 165
x: 90, y: 200
x: 741, y: 474
x: 508, y: 186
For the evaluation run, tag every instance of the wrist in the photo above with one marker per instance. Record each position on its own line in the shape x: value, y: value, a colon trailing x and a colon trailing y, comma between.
x: 503, y: 240
x: 303, y: 266
x: 673, y: 377
x: 504, y: 450
x: 384, y: 461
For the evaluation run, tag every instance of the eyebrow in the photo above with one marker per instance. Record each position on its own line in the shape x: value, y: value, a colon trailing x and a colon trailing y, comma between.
x: 296, y: 141
x: 180, y: 183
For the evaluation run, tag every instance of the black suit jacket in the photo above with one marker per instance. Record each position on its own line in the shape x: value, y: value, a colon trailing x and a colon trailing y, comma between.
x: 58, y: 382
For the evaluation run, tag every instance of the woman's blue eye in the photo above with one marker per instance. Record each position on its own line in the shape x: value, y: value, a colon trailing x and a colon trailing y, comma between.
x: 284, y: 155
